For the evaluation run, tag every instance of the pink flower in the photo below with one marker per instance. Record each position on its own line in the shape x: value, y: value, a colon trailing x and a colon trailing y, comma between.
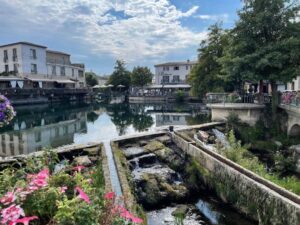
x: 127, y: 215
x: 79, y: 168
x: 11, y: 213
x: 62, y: 189
x: 109, y: 195
x: 82, y: 195
x: 118, y: 209
x: 8, y: 198
x: 136, y: 220
x: 38, y: 180
x: 90, y: 181
x: 24, y: 220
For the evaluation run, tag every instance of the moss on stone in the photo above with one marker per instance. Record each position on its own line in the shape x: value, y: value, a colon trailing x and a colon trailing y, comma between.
x: 153, y: 146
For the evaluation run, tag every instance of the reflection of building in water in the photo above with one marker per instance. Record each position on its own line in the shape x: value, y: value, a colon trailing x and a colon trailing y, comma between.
x: 26, y: 140
x: 163, y: 119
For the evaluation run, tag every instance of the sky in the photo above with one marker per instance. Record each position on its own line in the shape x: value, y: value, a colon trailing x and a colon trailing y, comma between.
x: 98, y: 32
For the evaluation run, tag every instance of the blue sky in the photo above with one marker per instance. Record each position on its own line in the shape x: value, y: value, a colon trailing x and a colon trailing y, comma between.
x: 97, y: 32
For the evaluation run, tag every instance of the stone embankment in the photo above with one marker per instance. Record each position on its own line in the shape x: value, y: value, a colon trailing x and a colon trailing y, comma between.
x: 251, y: 194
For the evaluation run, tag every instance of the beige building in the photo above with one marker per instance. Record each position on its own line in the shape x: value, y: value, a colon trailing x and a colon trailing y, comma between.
x: 28, y: 65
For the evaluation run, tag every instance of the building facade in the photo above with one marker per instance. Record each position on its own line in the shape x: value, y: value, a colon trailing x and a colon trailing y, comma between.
x: 28, y: 65
x: 173, y: 72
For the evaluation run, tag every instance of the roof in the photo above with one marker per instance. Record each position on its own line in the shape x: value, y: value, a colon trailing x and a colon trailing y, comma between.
x: 57, y: 52
x: 177, y: 63
x: 23, y: 43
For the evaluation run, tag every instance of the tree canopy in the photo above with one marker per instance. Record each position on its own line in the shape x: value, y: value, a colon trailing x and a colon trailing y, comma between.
x: 120, y: 75
x: 91, y: 79
x: 141, y: 76
x: 265, y: 43
x: 206, y: 75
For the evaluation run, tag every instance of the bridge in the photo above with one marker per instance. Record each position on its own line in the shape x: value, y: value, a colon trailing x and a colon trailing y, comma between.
x: 293, y: 123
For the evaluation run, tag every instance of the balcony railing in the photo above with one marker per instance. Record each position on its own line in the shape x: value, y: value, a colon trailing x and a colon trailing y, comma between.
x: 236, y: 98
x: 173, y: 82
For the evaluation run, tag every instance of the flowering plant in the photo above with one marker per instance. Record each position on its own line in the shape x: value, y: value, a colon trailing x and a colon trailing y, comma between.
x: 36, y: 194
x: 7, y: 112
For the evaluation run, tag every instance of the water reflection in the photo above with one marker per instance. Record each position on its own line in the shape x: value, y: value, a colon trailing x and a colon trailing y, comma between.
x: 37, y: 127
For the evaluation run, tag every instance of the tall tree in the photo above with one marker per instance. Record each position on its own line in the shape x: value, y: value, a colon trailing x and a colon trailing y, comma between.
x: 141, y: 76
x: 206, y: 75
x: 91, y: 79
x: 265, y: 44
x: 120, y: 76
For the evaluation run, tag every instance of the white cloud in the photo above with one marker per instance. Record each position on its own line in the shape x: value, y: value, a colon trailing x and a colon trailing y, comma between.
x: 223, y: 17
x: 130, y: 29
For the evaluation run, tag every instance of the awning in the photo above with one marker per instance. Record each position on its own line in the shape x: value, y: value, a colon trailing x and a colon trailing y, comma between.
x: 2, y: 78
x: 35, y: 79
x: 65, y: 81
x: 169, y: 86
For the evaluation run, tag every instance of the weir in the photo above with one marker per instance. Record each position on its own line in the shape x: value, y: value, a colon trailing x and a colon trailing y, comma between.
x: 249, y: 193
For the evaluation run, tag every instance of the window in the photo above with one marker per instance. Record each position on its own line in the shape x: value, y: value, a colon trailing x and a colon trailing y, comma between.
x: 80, y: 73
x: 6, y: 68
x: 176, y: 118
x: 166, y: 79
x: 176, y: 79
x: 72, y: 72
x: 33, y: 68
x: 187, y: 67
x: 15, y: 54
x: 53, y: 70
x: 16, y: 68
x: 5, y: 58
x: 32, y: 53
x: 176, y: 67
x: 165, y: 68
x: 62, y: 71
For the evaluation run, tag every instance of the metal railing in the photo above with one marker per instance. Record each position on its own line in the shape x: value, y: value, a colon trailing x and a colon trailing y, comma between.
x: 247, y: 98
x: 291, y: 98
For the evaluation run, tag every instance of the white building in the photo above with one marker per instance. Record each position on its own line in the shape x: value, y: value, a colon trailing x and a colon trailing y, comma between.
x: 33, y: 66
x: 173, y: 72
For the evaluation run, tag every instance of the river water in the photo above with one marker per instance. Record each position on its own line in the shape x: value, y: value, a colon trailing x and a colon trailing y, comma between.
x: 45, y: 126
x: 49, y: 126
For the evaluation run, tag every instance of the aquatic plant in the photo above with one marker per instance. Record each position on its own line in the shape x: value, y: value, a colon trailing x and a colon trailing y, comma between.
x: 74, y: 195
x: 7, y: 112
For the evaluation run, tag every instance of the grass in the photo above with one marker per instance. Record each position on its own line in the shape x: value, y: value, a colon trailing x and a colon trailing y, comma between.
x: 243, y: 157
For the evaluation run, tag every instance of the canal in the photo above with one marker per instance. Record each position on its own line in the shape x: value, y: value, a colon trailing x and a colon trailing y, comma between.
x: 49, y: 126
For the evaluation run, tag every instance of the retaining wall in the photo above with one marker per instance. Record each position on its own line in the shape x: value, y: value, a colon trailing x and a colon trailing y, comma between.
x: 253, y: 195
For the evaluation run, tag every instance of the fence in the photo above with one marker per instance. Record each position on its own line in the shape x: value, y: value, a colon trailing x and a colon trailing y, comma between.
x: 235, y: 98
x: 291, y: 98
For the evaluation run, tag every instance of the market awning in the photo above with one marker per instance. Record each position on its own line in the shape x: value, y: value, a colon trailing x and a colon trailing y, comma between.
x: 10, y: 78
x: 65, y: 81
x: 35, y: 79
x: 169, y: 86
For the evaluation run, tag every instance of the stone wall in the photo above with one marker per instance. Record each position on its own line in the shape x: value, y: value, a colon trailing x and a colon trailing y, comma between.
x: 249, y: 193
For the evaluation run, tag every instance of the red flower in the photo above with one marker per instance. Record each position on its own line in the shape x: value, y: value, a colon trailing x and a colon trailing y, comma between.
x: 83, y: 195
x: 109, y: 195
x: 24, y: 220
x: 79, y: 168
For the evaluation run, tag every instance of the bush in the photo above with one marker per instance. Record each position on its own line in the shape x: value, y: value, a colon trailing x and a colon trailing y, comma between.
x: 180, y: 96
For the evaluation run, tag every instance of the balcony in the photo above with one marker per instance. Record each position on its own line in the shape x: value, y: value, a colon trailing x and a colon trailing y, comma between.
x: 173, y: 82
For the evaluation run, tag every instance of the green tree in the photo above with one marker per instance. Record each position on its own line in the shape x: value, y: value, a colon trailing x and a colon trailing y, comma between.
x: 206, y: 75
x: 141, y: 76
x: 91, y: 79
x: 120, y: 76
x: 265, y: 44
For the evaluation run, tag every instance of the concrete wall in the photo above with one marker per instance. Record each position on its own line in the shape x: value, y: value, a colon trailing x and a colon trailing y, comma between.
x: 243, y: 191
x: 249, y: 113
